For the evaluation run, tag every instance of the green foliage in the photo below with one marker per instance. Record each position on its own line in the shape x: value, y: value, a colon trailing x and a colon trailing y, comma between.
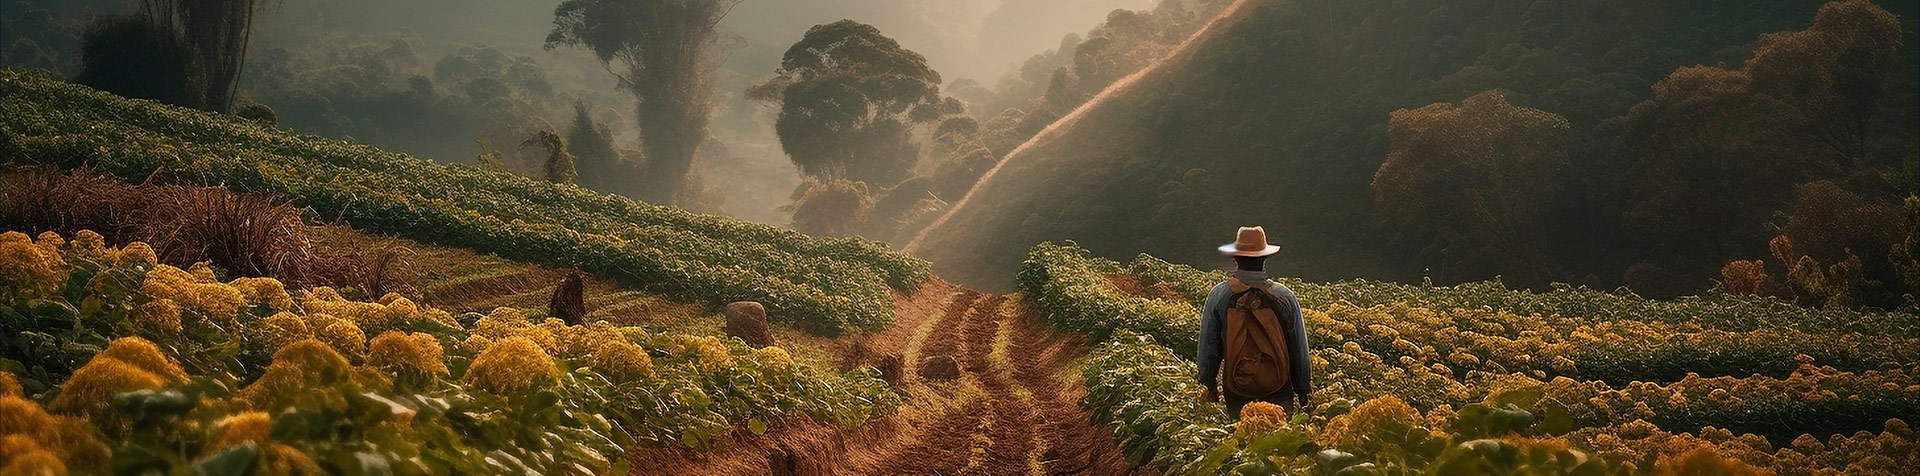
x: 825, y: 285
x: 664, y: 48
x: 558, y: 167
x: 848, y: 98
x: 201, y: 399
x: 830, y: 207
x: 131, y: 56
x: 1511, y: 382
x: 1148, y: 393
x: 1287, y: 105
x: 1068, y: 285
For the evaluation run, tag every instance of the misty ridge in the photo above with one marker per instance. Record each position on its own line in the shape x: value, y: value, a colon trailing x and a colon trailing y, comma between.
x: 1664, y: 147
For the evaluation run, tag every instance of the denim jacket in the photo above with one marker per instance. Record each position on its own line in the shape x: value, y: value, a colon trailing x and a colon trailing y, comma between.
x: 1213, y: 328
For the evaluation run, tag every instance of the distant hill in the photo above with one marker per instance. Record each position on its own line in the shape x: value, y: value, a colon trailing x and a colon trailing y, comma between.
x: 1278, y: 115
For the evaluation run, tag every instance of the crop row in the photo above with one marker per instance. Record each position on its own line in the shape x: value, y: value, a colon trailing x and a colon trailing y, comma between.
x: 1618, y: 352
x: 1075, y: 291
x: 1816, y: 400
x: 1070, y: 287
x: 822, y: 284
x: 1583, y: 305
x: 1147, y: 392
x: 116, y: 354
x: 1803, y: 399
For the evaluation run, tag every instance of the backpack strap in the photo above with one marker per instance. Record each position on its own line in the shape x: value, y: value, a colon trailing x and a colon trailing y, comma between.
x: 1240, y: 288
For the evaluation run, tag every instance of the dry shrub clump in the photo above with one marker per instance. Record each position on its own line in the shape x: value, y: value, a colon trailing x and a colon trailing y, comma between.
x: 511, y: 366
x: 245, y: 234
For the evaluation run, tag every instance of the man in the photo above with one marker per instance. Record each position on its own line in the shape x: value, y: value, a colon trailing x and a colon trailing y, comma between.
x: 1252, y: 325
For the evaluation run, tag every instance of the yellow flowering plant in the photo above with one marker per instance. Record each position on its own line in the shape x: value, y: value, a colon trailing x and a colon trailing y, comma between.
x: 211, y: 358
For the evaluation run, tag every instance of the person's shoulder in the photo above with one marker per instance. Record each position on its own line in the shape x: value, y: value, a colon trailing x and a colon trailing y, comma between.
x: 1281, y: 290
x: 1219, y: 291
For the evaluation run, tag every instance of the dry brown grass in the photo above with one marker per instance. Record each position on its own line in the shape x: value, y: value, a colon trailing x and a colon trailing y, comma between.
x: 243, y: 234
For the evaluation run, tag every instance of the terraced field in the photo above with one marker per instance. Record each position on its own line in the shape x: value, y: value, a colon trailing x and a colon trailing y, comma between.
x: 1013, y: 409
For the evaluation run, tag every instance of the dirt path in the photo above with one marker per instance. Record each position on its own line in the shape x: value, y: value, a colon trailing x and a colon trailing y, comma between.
x: 1013, y: 410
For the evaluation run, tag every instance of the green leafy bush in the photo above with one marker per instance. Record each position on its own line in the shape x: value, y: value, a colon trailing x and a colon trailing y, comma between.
x: 1070, y: 287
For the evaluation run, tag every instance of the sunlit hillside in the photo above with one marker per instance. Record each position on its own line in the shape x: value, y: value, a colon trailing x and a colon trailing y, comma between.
x: 1608, y: 158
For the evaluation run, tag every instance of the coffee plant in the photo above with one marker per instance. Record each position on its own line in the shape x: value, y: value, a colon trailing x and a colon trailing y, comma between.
x: 114, y: 363
x: 1462, y: 366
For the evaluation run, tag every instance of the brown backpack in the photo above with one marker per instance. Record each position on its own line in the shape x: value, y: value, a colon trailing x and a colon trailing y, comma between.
x: 1256, y: 344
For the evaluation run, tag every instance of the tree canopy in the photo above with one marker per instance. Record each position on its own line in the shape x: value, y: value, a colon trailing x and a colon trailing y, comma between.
x: 666, y: 47
x: 1479, y: 174
x: 849, y: 98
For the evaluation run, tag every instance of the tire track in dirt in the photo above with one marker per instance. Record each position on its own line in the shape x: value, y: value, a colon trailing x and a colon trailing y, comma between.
x: 1014, y: 410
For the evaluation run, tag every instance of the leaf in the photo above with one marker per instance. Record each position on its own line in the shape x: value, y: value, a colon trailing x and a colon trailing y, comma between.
x: 236, y: 460
x: 756, y: 426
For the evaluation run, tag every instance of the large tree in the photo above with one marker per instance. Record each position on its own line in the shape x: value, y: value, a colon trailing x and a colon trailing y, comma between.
x: 1832, y: 72
x: 1477, y: 176
x: 849, y: 100
x: 1716, y: 153
x: 185, y: 52
x: 666, y: 48
x: 216, y: 34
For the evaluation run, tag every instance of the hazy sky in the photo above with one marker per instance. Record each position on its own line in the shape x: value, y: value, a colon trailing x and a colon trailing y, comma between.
x: 977, y: 39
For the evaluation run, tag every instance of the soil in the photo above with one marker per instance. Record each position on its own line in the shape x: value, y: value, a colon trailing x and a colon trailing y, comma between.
x: 1014, y: 408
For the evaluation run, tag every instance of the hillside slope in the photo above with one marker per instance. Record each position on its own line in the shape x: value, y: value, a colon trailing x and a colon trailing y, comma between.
x: 1278, y: 115
x: 824, y: 285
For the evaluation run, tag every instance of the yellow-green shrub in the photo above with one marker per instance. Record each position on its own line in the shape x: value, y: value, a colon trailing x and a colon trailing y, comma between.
x: 25, y: 458
x: 510, y: 366
x: 128, y: 364
x: 72, y: 440
x: 284, y: 328
x: 706, y: 352
x: 159, y: 315
x: 303, y: 374
x: 264, y: 291
x: 28, y: 270
x: 622, y: 360
x: 1353, y: 429
x: 344, y: 336
x: 215, y: 300
x: 245, y: 427
x: 416, y: 354
x: 1705, y: 460
x: 1259, y: 418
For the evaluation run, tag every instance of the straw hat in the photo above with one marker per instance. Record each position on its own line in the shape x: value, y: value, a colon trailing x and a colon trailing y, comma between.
x: 1252, y: 242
